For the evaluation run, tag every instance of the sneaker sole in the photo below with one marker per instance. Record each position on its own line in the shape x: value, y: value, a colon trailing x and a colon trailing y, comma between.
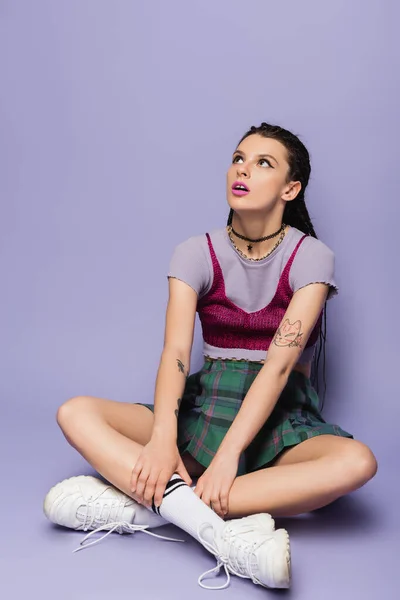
x: 50, y: 503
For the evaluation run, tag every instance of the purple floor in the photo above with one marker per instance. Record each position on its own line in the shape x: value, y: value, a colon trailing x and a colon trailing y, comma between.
x: 347, y: 550
x: 117, y: 124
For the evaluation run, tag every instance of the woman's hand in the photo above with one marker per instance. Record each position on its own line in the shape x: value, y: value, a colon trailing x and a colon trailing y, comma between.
x: 158, y: 461
x: 214, y: 485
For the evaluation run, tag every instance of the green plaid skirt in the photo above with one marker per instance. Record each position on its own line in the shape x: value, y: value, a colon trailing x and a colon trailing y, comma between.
x: 212, y: 399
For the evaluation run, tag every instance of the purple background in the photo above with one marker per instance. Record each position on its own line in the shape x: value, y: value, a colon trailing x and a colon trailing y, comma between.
x: 118, y: 120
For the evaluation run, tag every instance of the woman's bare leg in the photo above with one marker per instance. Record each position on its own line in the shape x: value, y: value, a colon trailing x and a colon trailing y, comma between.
x: 98, y: 429
x: 109, y: 435
x: 307, y: 476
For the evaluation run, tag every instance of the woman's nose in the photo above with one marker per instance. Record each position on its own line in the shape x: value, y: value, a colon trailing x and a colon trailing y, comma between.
x: 242, y: 170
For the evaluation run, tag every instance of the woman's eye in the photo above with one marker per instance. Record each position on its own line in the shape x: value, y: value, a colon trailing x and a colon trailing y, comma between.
x: 236, y: 158
x: 265, y: 161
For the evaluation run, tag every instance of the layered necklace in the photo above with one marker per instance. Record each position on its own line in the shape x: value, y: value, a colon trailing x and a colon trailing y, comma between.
x: 232, y: 232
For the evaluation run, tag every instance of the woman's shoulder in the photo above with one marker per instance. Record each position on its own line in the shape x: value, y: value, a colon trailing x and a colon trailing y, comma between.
x: 313, y: 263
x: 198, y: 242
x: 310, y: 245
x: 192, y: 251
x: 194, y: 241
x: 191, y: 262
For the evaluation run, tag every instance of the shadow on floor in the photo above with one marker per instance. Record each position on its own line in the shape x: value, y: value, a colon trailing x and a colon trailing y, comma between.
x: 347, y: 514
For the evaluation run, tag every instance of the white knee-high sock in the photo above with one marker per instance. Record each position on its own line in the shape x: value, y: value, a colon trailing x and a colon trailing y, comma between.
x: 145, y: 516
x: 183, y: 508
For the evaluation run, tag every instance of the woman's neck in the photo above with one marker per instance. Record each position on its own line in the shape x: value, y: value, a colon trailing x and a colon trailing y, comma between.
x: 253, y: 230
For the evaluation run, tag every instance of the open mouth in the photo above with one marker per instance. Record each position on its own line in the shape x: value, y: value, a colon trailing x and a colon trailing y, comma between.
x: 240, y: 189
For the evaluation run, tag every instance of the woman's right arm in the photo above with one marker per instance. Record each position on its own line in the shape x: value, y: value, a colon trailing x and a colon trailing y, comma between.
x: 160, y: 458
x: 175, y: 359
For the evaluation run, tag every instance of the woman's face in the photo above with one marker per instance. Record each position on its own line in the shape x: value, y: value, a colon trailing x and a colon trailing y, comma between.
x: 260, y: 166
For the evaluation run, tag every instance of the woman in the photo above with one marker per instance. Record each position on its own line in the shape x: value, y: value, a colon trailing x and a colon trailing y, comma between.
x: 248, y: 425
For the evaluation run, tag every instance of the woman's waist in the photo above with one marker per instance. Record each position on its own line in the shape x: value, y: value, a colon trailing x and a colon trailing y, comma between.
x: 304, y: 368
x: 255, y: 356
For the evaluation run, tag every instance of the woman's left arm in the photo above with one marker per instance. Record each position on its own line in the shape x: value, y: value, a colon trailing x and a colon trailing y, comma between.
x: 285, y: 349
x: 283, y: 354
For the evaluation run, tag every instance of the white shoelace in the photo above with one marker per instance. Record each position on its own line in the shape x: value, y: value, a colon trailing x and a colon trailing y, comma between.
x: 230, y: 564
x: 96, y: 513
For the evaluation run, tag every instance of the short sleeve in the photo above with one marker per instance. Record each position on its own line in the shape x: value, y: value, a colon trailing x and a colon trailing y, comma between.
x: 313, y: 263
x: 189, y: 264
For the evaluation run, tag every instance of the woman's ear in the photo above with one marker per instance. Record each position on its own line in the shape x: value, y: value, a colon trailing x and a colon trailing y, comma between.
x: 291, y: 191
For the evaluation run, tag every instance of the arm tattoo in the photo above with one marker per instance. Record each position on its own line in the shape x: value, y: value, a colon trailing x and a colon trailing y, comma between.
x: 181, y: 366
x: 177, y: 409
x: 289, y: 334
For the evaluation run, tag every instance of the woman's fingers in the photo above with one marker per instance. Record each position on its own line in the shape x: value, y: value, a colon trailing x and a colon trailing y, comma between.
x: 149, y: 489
x: 141, y: 484
x: 199, y: 487
x: 206, y: 494
x: 215, y: 498
x: 135, y: 475
x: 160, y: 489
x: 182, y: 471
x: 216, y: 503
x: 224, y: 503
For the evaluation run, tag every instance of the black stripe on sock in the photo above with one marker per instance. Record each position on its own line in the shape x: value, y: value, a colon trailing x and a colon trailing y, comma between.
x: 154, y: 507
x: 172, y: 482
x: 167, y: 493
x: 172, y: 485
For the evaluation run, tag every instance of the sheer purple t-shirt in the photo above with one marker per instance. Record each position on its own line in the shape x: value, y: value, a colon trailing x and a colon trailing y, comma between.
x: 251, y: 285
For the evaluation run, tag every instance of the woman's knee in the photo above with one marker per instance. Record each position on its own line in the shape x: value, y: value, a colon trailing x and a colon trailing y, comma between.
x: 70, y: 413
x: 367, y: 462
x: 359, y: 463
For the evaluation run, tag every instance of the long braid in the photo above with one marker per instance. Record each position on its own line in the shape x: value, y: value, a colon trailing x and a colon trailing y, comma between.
x: 296, y: 215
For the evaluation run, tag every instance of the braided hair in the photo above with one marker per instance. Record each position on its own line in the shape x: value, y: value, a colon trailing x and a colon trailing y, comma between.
x: 296, y: 214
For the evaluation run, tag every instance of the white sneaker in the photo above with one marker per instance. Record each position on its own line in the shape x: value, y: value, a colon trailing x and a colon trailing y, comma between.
x: 249, y: 548
x: 86, y: 503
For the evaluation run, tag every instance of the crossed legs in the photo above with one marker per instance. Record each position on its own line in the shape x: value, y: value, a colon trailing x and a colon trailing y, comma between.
x: 110, y: 435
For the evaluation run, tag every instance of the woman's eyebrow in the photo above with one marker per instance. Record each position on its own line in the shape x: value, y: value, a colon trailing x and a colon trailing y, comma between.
x: 268, y: 156
x: 258, y: 156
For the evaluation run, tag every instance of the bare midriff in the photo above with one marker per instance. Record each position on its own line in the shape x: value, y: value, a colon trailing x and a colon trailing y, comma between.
x: 304, y: 368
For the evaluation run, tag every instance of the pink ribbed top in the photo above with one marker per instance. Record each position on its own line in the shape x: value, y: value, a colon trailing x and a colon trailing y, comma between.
x: 226, y: 325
